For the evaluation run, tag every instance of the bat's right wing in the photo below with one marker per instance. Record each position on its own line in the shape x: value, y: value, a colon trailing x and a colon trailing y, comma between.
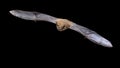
x: 35, y: 16
x: 91, y: 35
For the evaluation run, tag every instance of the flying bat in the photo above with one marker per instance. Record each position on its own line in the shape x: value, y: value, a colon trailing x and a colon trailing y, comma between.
x: 63, y: 24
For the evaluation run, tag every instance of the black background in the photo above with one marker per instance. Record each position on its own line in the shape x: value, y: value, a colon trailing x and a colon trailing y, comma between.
x: 29, y: 37
x: 98, y: 16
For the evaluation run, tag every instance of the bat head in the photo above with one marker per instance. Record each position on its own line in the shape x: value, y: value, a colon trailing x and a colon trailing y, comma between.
x: 63, y: 24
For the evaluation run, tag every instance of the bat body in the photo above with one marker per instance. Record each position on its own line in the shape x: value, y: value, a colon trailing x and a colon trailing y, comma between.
x: 63, y: 24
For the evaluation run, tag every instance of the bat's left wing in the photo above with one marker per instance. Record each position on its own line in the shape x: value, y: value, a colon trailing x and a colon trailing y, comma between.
x: 31, y: 15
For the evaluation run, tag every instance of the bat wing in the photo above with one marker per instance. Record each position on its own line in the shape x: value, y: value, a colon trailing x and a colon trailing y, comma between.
x: 91, y: 35
x: 36, y: 16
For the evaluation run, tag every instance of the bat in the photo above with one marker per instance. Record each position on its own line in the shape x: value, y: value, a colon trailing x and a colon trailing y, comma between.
x: 63, y: 24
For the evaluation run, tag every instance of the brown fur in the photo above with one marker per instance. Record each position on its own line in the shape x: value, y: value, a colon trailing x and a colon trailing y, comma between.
x: 63, y: 24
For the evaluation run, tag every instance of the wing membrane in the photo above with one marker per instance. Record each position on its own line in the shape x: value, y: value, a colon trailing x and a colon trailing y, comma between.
x: 91, y: 35
x: 36, y: 16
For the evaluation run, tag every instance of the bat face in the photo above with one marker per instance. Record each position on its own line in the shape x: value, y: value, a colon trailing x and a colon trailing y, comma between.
x: 63, y: 24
